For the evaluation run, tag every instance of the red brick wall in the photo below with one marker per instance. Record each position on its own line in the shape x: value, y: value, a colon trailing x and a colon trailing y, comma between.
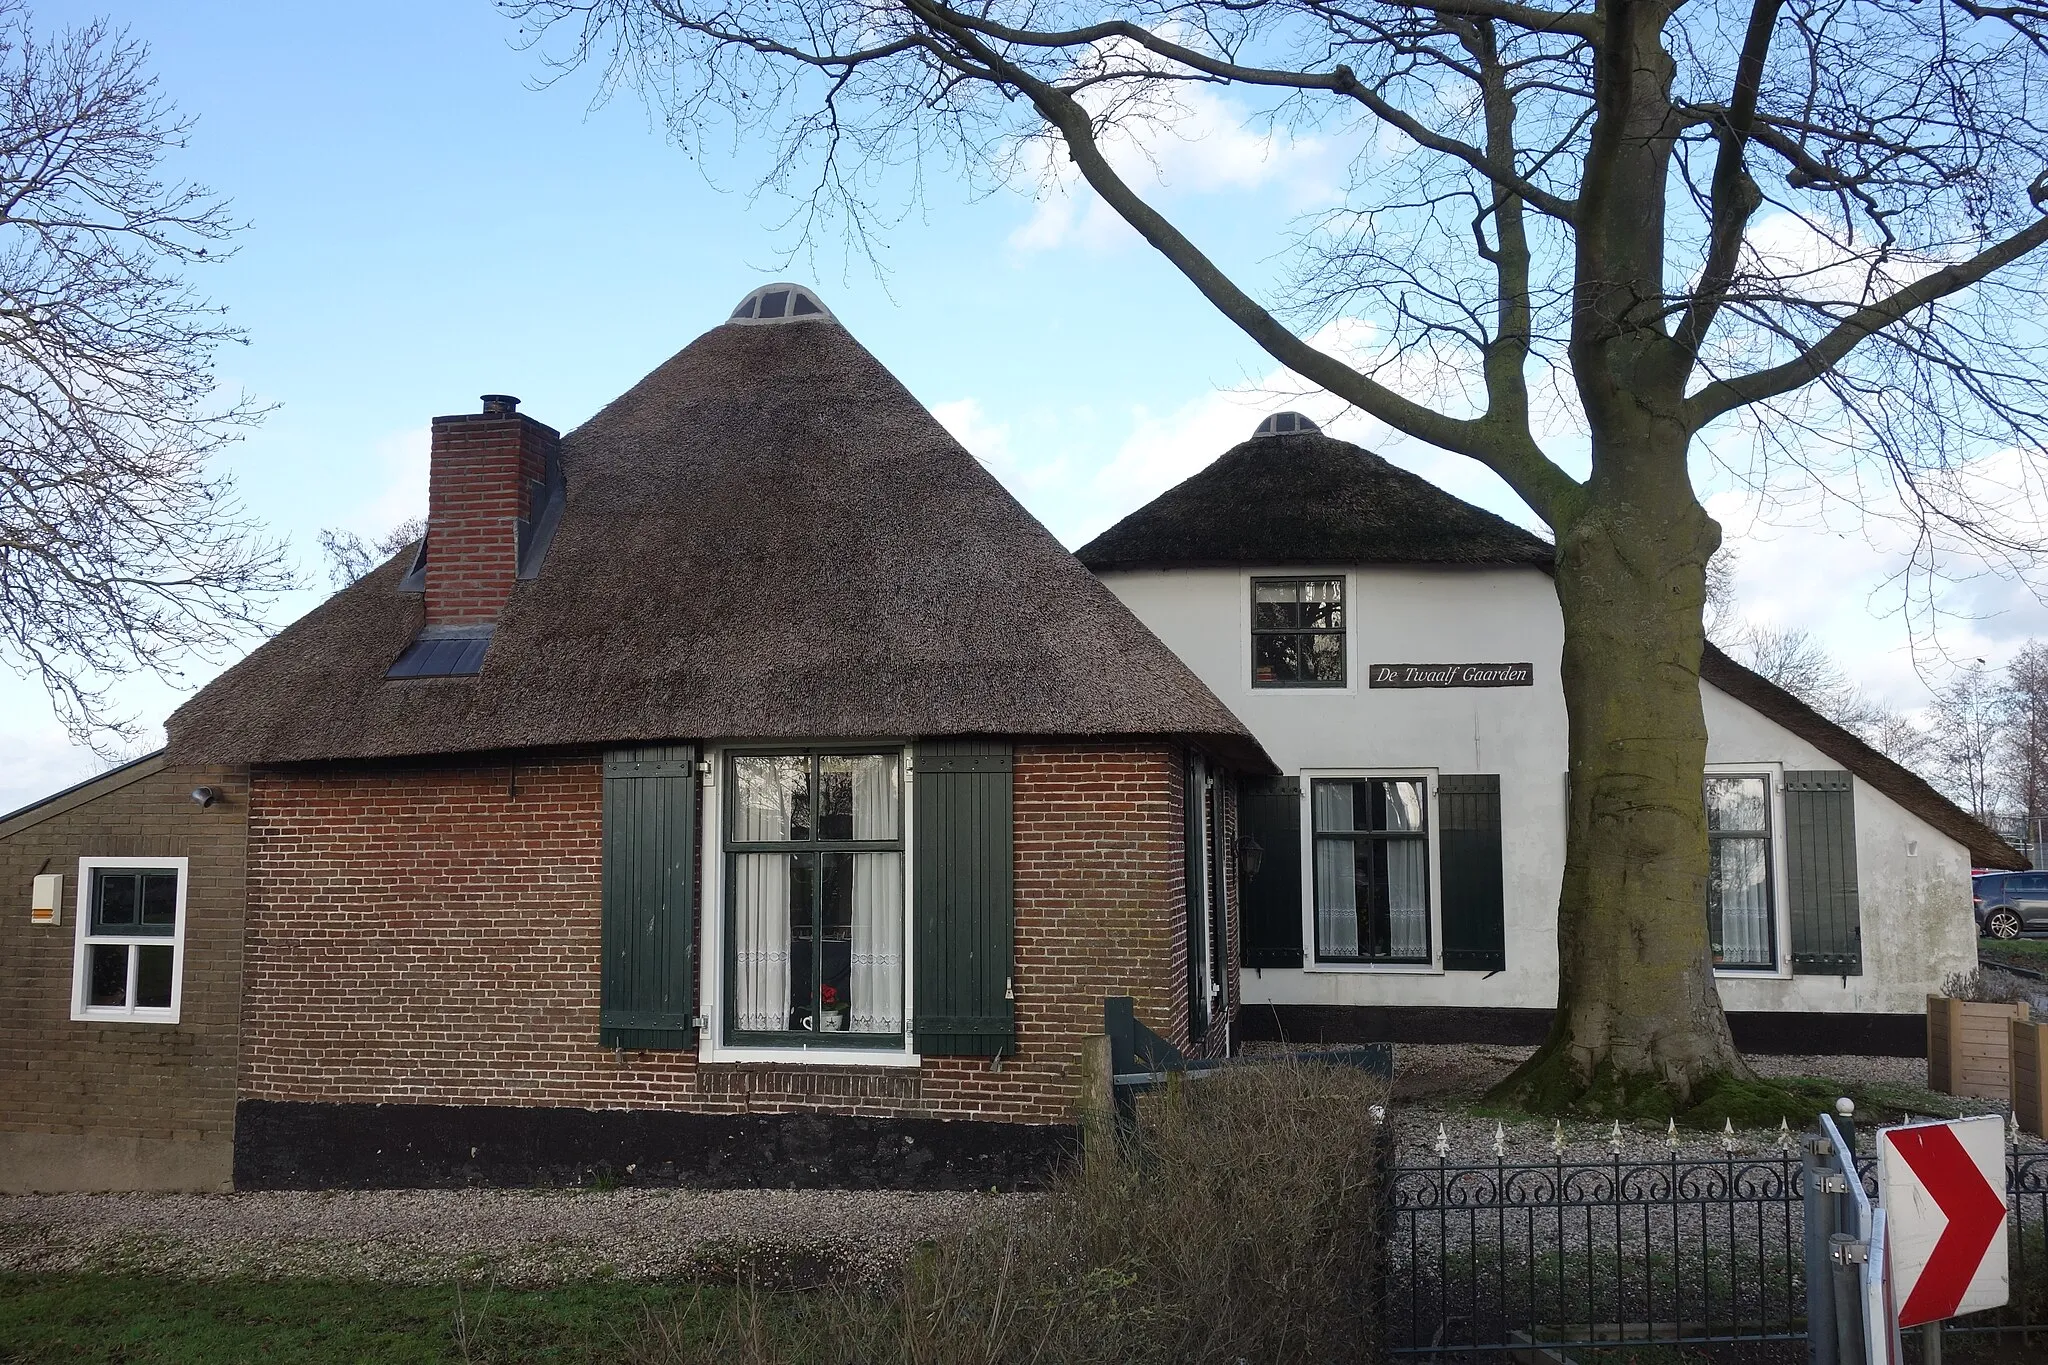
x: 426, y: 935
x: 484, y: 466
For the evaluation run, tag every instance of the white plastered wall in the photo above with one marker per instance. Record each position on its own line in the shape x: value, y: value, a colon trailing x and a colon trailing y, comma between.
x: 1914, y: 881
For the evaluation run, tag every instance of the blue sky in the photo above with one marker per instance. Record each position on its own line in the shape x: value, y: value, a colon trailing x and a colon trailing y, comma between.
x: 426, y: 226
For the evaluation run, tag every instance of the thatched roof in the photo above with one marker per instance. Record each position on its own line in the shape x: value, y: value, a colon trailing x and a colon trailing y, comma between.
x: 1307, y: 499
x: 766, y: 537
x: 1901, y: 784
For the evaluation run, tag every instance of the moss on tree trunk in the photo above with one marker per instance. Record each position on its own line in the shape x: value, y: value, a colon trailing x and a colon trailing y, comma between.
x: 1639, y: 1030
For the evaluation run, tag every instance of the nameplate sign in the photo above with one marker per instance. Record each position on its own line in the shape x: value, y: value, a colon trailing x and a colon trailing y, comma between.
x: 1450, y: 675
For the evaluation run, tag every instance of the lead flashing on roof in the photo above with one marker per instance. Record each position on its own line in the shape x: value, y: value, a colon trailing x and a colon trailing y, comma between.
x: 443, y: 652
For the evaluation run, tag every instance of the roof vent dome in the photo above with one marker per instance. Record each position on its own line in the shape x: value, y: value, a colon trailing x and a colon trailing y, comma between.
x: 781, y: 302
x: 1284, y: 424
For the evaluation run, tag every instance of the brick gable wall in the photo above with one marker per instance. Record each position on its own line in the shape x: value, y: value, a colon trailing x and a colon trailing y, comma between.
x: 105, y: 1105
x: 429, y: 935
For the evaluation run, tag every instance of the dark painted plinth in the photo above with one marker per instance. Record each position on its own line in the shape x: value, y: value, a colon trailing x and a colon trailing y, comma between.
x: 290, y: 1146
x: 1757, y: 1031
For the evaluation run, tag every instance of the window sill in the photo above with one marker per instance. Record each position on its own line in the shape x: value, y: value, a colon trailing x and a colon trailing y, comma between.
x: 1376, y: 968
x: 1753, y: 973
x: 107, y: 1016
x: 810, y: 1056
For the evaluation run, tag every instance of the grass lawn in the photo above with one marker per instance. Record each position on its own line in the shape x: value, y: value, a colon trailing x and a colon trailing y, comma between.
x: 151, y: 1320
x: 2022, y: 952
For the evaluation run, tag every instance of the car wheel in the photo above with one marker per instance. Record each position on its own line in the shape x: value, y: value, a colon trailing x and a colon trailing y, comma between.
x: 2002, y: 924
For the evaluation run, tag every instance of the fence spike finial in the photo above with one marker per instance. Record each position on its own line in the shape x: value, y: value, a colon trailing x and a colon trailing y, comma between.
x: 1557, y: 1139
x: 1728, y: 1134
x: 1500, y: 1141
x: 1784, y: 1134
x: 1671, y: 1134
x: 1443, y: 1142
x: 1614, y: 1138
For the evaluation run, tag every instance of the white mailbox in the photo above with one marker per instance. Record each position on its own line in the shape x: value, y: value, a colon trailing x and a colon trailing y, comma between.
x: 47, y: 904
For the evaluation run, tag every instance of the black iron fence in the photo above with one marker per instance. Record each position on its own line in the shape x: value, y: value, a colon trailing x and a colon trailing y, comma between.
x: 1503, y: 1256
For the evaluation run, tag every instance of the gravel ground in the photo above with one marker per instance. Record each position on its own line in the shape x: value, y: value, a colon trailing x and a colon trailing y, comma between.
x: 511, y: 1237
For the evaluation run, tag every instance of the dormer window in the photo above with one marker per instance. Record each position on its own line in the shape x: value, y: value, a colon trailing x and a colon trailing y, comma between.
x: 781, y: 303
x: 1297, y: 632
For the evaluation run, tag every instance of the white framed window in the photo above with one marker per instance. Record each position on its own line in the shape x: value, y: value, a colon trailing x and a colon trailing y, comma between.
x: 808, y: 954
x: 1371, y: 872
x: 129, y: 964
x: 1746, y: 923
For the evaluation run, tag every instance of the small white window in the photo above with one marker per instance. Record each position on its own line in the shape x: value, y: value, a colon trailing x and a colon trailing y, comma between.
x: 130, y: 962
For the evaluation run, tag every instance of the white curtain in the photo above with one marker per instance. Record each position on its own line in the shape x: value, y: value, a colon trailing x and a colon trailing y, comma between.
x: 1740, y: 888
x: 1408, y: 898
x: 761, y: 940
x: 1336, y: 897
x: 877, y: 981
x: 766, y: 795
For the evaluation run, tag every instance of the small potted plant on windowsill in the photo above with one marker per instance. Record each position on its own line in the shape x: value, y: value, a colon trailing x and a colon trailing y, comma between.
x: 832, y: 1015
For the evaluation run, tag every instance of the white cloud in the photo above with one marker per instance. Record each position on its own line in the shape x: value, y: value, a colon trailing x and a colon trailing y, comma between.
x: 1203, y: 143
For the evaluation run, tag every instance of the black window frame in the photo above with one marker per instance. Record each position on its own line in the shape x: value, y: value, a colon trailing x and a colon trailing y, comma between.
x: 731, y: 849
x: 1769, y: 835
x: 1429, y: 878
x: 1303, y: 635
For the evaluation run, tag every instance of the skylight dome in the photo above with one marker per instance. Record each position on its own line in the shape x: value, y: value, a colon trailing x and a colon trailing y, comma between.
x: 1285, y: 424
x: 783, y: 302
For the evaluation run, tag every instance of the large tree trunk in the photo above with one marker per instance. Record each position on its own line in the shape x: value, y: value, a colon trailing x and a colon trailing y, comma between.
x: 1639, y: 1028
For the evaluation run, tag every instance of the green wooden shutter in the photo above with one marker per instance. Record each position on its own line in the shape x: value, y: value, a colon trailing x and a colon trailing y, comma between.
x: 1820, y: 864
x: 1468, y: 839
x: 648, y: 980
x: 1269, y: 816
x: 963, y: 891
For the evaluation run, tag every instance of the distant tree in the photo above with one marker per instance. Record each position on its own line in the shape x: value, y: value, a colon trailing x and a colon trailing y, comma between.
x: 120, y: 549
x: 1807, y: 231
x: 2025, y: 706
x: 349, y: 556
x: 1965, y: 740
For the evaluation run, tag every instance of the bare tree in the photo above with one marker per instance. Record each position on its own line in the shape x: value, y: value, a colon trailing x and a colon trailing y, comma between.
x: 1805, y: 229
x: 119, y: 549
x: 349, y: 556
x: 1965, y: 739
x: 2025, y: 707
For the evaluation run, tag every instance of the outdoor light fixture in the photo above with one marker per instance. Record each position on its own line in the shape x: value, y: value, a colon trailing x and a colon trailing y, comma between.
x: 1250, y: 855
x: 205, y: 796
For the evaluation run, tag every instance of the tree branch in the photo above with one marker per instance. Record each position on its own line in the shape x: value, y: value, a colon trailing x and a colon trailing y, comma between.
x: 1728, y: 394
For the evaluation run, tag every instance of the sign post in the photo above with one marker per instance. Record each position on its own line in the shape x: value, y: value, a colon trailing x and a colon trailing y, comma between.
x: 1942, y: 1189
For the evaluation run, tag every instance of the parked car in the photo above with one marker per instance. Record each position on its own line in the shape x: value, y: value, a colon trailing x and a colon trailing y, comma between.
x: 2009, y: 904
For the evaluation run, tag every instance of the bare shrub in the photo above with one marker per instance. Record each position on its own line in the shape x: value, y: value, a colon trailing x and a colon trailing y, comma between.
x: 1991, y: 987
x: 1237, y: 1225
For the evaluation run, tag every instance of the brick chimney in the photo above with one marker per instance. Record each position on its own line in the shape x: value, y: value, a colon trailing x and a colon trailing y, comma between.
x: 492, y: 481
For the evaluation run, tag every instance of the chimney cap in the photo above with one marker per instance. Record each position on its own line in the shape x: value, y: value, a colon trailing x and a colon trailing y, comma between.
x: 500, y: 402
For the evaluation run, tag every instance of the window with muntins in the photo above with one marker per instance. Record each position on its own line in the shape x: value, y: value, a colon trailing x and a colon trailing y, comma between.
x: 130, y: 940
x: 1297, y: 632
x: 1740, y: 926
x: 814, y: 898
x: 1371, y: 869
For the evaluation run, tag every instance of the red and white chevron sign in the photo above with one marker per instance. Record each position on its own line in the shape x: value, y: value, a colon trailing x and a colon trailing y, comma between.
x: 1942, y: 1186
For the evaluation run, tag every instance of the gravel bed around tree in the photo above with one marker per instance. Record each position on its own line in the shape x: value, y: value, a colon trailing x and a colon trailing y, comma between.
x: 509, y: 1237
x: 1438, y: 1090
